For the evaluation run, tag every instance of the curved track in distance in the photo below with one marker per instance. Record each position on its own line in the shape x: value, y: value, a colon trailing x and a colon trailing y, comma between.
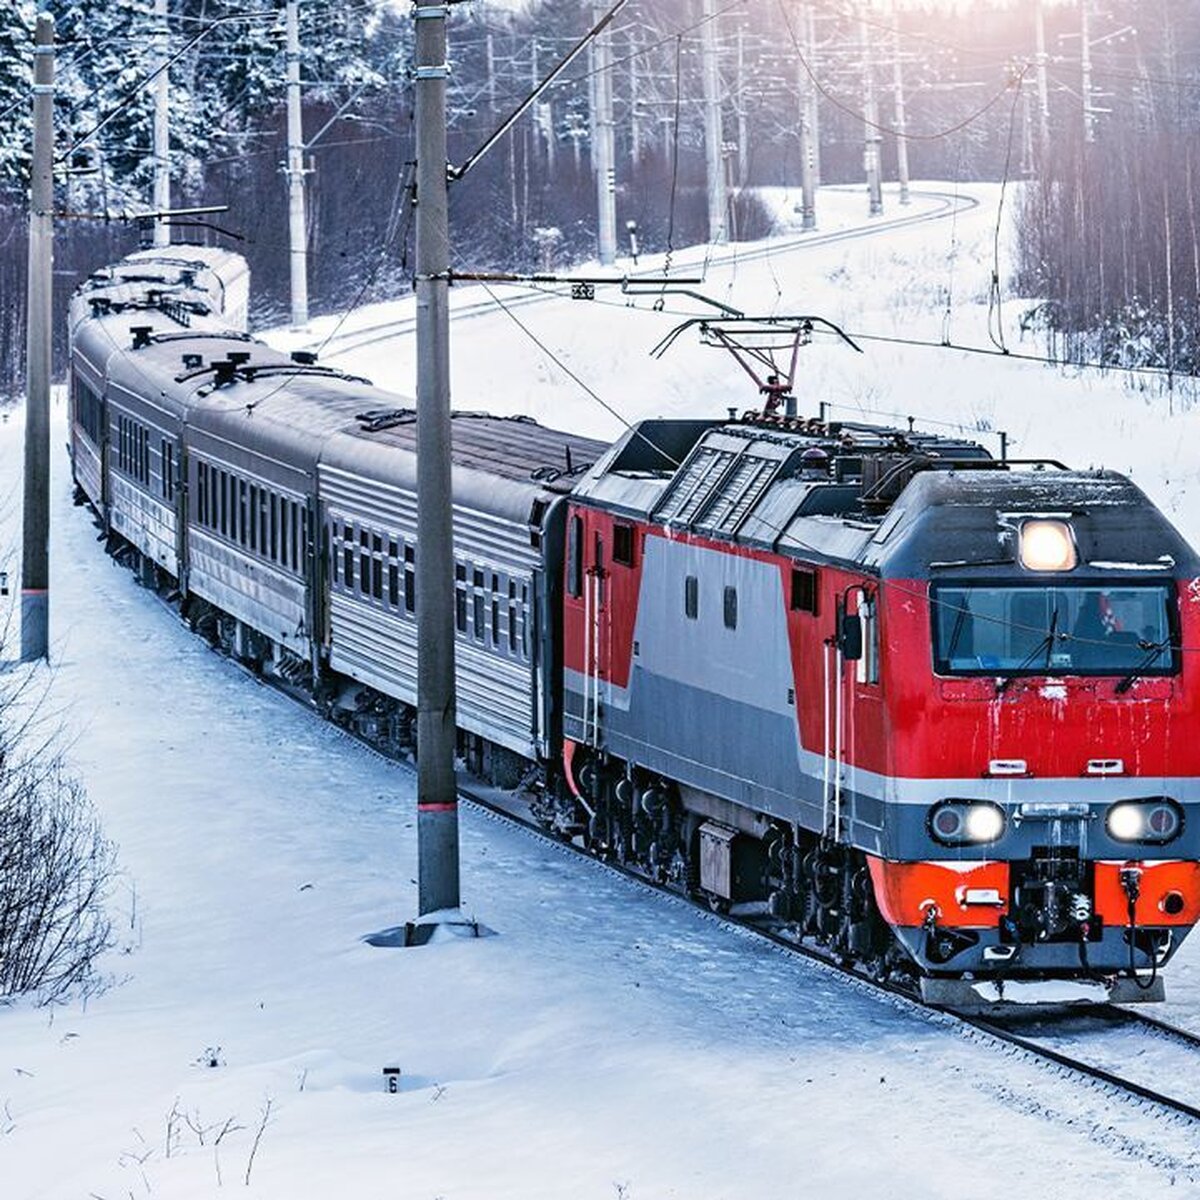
x: 948, y: 204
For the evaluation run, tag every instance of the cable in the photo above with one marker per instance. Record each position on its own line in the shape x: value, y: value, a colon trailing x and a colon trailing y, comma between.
x: 995, y: 299
x: 858, y: 116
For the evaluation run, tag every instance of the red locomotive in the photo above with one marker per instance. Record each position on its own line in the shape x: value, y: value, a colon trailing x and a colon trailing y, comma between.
x: 929, y: 707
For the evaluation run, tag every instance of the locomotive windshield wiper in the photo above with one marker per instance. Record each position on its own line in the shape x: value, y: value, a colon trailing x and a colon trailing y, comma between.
x: 959, y: 622
x: 1046, y: 644
x: 1153, y: 650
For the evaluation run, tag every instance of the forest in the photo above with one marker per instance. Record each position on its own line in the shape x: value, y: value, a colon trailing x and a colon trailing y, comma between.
x: 1099, y: 141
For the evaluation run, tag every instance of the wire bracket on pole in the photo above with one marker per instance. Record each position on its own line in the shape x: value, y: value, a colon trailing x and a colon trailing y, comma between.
x: 441, y: 71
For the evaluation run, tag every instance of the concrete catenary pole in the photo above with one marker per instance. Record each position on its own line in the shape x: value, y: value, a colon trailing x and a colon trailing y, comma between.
x: 1085, y: 71
x: 603, y: 141
x: 437, y: 796
x: 901, y: 120
x: 808, y: 135
x: 297, y: 223
x: 1043, y: 86
x: 743, y: 140
x: 162, y: 125
x: 714, y: 137
x: 870, y: 124
x: 814, y: 108
x: 35, y: 562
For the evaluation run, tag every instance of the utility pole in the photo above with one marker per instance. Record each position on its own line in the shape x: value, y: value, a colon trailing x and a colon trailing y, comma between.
x: 1085, y: 69
x: 603, y: 148
x: 808, y: 147
x: 714, y: 138
x: 1043, y: 86
x: 437, y: 795
x: 635, y: 101
x: 162, y: 126
x: 814, y: 115
x: 743, y: 142
x: 901, y: 121
x: 870, y: 124
x: 297, y: 222
x: 35, y: 563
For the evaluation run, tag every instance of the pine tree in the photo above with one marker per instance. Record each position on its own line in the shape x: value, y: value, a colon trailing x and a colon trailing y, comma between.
x: 16, y: 58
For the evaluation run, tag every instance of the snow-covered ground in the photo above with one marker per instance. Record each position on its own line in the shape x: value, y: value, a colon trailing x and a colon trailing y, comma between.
x: 608, y: 1042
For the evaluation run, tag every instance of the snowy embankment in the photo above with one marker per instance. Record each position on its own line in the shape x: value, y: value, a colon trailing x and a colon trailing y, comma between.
x: 609, y: 1042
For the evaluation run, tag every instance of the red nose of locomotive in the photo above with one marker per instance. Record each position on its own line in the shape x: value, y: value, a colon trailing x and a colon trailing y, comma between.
x: 1044, y: 783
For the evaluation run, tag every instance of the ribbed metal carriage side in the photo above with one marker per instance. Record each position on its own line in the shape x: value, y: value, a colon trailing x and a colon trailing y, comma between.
x: 368, y: 486
x: 264, y: 434
x: 188, y: 290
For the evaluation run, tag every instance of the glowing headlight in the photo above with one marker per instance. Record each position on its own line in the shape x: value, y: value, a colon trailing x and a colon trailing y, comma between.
x: 1047, y: 546
x: 1155, y: 821
x: 966, y: 822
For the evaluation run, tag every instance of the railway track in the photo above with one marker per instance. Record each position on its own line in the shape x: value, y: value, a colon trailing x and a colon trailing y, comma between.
x: 947, y: 204
x: 1005, y: 1031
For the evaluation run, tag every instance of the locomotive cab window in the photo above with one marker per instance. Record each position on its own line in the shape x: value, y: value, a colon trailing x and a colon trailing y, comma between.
x: 804, y: 590
x: 575, y: 556
x: 622, y: 551
x: 1074, y: 629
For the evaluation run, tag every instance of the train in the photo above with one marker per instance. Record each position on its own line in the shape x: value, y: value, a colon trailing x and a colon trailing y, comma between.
x: 930, y: 710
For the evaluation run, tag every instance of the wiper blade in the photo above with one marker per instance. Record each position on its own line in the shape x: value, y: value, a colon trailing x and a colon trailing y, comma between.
x: 1153, y: 650
x: 1046, y: 644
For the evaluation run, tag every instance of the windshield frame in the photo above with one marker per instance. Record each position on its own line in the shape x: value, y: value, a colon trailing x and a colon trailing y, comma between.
x: 1167, y: 587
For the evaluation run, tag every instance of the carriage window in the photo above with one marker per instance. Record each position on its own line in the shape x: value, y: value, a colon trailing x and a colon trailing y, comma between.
x: 393, y: 585
x: 478, y: 606
x: 730, y: 608
x: 691, y: 597
x: 460, y: 609
x: 253, y: 517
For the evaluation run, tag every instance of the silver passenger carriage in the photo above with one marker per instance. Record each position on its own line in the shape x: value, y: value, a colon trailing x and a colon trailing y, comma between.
x: 127, y: 413
x: 254, y: 441
x: 509, y: 475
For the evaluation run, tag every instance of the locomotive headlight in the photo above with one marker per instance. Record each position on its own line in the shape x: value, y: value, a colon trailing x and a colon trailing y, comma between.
x: 966, y: 822
x: 1047, y: 546
x: 1154, y: 821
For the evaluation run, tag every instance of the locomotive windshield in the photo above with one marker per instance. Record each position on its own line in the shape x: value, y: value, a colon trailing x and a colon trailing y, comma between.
x: 1074, y: 629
